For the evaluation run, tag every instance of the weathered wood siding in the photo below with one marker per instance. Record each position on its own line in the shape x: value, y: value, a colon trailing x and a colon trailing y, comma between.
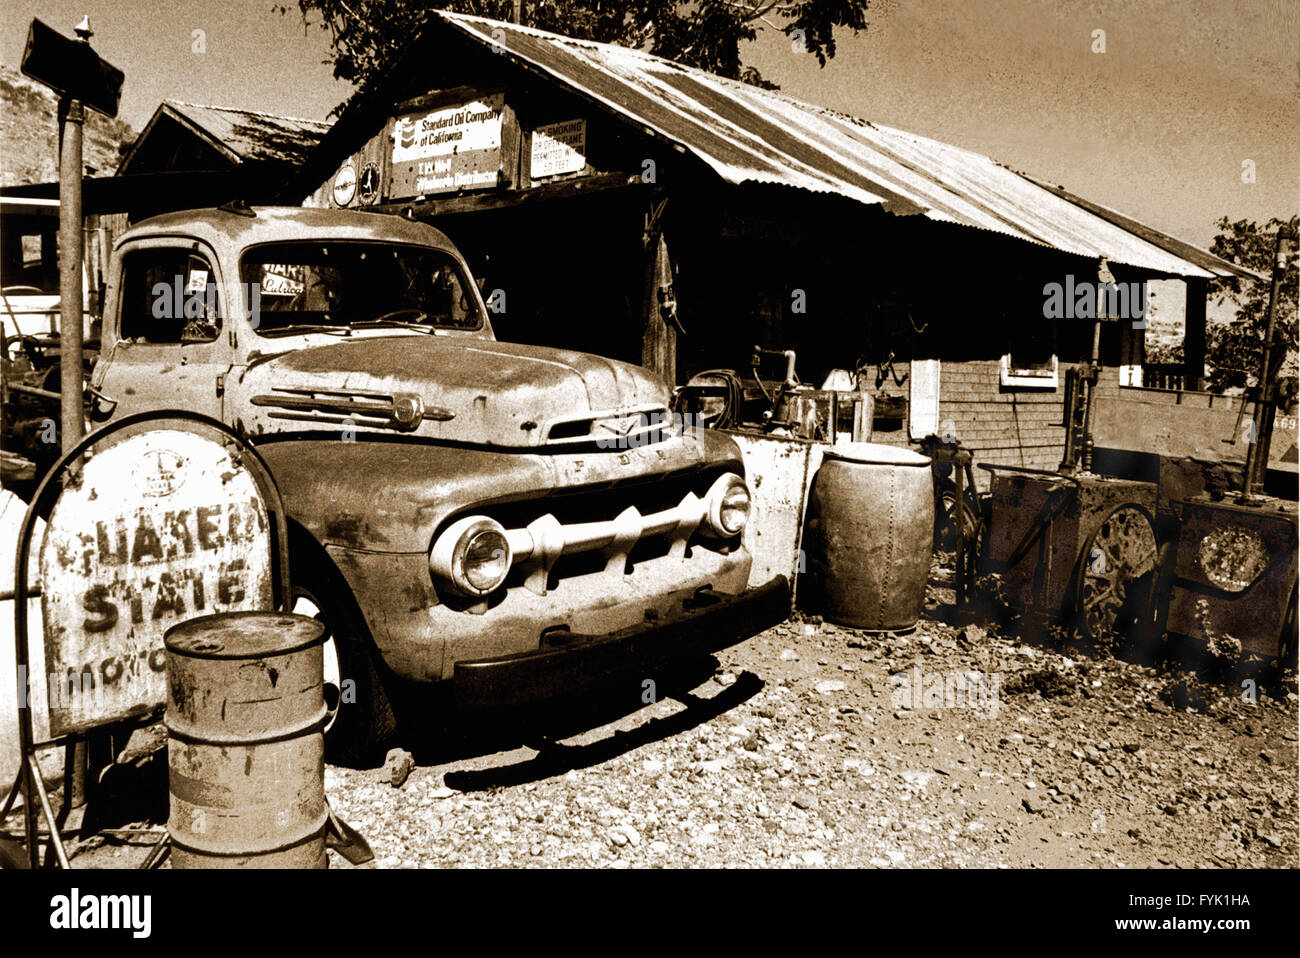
x: 1001, y: 426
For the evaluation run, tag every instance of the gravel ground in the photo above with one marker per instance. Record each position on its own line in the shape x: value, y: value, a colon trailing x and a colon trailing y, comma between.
x: 803, y: 749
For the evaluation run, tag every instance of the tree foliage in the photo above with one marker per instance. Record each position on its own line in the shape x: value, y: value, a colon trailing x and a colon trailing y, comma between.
x: 1234, y: 348
x: 367, y: 34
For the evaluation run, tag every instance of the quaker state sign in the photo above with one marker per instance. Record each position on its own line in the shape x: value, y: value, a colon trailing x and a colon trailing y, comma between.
x: 162, y: 527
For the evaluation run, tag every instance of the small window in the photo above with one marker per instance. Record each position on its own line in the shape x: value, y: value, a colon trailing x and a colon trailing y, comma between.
x: 30, y: 260
x: 1031, y: 362
x: 169, y: 296
x: 1018, y: 373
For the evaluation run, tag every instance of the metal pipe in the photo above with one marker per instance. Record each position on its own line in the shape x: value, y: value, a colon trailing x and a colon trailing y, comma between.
x: 72, y: 117
x: 1090, y: 389
x: 34, y: 771
x: 1261, y: 434
x: 33, y: 391
x: 8, y: 595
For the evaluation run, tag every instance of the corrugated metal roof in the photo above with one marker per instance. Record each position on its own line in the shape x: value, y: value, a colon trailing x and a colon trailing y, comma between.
x: 748, y: 134
x: 253, y: 135
x: 240, y: 135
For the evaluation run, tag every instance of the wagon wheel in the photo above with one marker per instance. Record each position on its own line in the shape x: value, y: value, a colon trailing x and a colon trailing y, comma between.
x: 1116, y: 571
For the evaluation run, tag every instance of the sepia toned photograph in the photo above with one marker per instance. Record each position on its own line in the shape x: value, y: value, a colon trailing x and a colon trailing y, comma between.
x: 790, y: 435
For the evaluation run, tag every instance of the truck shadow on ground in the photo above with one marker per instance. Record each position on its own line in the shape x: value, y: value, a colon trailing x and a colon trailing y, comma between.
x: 454, y: 734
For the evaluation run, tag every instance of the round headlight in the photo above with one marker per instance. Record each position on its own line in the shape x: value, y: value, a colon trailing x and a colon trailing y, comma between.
x: 729, y: 505
x: 472, y: 557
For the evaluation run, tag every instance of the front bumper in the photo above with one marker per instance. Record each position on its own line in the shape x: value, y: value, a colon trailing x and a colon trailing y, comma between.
x: 570, y: 662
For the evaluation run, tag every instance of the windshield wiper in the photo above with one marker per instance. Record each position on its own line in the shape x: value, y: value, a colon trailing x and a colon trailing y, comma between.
x: 297, y: 328
x: 384, y: 321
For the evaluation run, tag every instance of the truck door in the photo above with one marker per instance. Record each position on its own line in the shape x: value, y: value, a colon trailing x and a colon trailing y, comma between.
x: 166, y: 343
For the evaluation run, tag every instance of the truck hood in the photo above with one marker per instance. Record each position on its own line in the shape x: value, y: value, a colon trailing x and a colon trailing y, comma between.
x: 455, y: 389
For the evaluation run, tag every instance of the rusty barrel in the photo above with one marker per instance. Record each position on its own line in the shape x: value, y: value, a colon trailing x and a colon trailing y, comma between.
x: 245, y: 741
x: 869, y: 536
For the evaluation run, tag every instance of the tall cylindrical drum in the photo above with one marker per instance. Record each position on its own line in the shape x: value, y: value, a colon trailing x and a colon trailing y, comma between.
x: 245, y: 741
x: 869, y: 536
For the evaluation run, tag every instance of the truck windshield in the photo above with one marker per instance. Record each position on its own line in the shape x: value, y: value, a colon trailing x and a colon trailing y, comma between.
x: 339, y: 285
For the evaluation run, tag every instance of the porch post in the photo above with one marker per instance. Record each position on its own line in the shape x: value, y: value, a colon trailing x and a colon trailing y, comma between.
x: 1194, y: 334
x: 659, y: 339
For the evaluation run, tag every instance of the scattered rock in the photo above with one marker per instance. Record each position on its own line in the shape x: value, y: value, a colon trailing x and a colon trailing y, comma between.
x: 398, y: 764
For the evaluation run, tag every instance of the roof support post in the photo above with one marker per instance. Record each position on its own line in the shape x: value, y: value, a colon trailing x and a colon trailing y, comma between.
x: 659, y: 335
x: 1194, y: 334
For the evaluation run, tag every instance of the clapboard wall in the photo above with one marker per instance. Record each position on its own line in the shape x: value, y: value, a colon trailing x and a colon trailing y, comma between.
x: 999, y: 425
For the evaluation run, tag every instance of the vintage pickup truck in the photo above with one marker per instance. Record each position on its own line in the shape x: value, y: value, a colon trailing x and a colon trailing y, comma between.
x: 517, y: 520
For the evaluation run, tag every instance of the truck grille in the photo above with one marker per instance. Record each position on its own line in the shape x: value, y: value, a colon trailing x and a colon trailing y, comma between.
x: 584, y: 531
x: 612, y: 429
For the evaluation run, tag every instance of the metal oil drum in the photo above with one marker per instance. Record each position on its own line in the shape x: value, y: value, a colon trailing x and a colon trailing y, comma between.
x: 869, y: 536
x: 245, y: 741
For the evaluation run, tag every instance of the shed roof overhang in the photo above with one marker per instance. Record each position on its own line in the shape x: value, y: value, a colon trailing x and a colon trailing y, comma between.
x: 750, y: 135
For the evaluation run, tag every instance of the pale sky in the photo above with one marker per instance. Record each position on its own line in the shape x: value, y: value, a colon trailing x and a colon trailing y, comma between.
x: 1157, y: 126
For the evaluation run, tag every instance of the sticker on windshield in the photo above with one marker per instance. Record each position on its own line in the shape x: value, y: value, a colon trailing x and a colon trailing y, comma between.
x: 197, y: 281
x: 281, y: 280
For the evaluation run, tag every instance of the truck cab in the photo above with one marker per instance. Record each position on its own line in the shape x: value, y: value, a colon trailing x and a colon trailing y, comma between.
x: 516, y: 520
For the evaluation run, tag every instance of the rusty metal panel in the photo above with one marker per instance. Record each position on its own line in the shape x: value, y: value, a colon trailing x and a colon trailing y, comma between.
x: 160, y: 527
x: 245, y: 747
x: 1186, y: 423
x: 747, y: 134
x: 1235, y: 571
x: 779, y: 472
x: 1041, y: 525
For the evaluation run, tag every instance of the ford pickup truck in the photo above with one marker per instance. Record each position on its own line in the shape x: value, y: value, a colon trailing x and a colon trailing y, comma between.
x: 516, y: 520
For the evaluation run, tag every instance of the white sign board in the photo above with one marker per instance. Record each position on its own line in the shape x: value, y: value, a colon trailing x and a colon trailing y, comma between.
x: 452, y: 148
x: 162, y: 527
x: 559, y: 148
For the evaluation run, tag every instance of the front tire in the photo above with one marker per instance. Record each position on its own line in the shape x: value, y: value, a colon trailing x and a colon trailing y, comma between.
x: 362, y: 720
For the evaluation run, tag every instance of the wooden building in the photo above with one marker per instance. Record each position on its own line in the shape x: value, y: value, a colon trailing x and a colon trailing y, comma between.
x: 615, y: 202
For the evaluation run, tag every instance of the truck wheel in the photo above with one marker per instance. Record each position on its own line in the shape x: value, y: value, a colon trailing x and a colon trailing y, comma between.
x: 361, y: 719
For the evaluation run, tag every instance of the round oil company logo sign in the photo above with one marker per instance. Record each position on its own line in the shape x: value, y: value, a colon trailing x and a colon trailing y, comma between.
x: 161, y: 473
x: 368, y: 185
x: 345, y: 185
x: 159, y: 528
